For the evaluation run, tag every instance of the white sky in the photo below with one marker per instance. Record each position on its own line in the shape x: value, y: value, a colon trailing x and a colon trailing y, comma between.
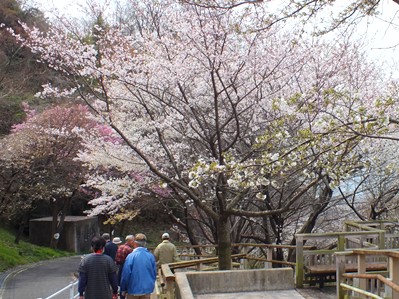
x: 383, y: 33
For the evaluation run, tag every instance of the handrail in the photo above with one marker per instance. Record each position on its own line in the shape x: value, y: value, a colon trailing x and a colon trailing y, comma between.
x: 249, y: 257
x: 240, y: 245
x: 373, y: 276
x: 360, y: 225
x: 386, y: 252
x: 69, y: 287
x: 166, y: 277
x: 391, y: 283
x: 363, y: 292
x: 185, y: 264
x: 375, y: 232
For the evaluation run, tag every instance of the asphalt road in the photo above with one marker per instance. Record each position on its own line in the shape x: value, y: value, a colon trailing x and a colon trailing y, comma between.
x: 39, y: 280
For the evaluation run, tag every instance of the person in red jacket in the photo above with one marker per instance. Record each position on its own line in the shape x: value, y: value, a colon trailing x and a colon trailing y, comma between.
x: 123, y: 251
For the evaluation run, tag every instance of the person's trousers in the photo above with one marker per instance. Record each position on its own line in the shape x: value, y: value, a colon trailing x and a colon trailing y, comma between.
x: 147, y: 296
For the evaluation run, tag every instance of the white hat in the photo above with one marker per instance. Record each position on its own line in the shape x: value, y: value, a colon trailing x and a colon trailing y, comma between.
x: 165, y: 236
x: 116, y: 240
x: 106, y: 236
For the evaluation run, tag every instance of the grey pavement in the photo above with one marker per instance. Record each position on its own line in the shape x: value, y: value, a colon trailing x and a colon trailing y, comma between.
x: 39, y: 280
x: 284, y: 294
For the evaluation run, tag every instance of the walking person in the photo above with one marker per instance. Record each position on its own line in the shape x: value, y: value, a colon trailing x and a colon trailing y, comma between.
x: 166, y: 251
x: 139, y: 272
x: 97, y: 274
x: 110, y: 248
x: 117, y: 241
x: 123, y: 251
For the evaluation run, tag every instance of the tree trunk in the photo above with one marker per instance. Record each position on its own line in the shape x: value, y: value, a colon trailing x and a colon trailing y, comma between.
x: 22, y: 224
x: 311, y: 221
x: 190, y: 234
x: 224, y: 243
x: 57, y: 226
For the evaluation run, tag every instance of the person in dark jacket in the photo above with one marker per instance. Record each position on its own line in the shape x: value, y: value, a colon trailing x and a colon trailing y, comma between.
x: 97, y: 274
x: 110, y: 248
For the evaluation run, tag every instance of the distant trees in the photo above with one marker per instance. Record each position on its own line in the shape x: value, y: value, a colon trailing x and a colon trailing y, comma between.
x: 20, y: 74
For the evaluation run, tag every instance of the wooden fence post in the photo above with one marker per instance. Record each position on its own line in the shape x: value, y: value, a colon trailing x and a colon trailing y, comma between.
x: 361, y: 269
x: 269, y: 256
x: 299, y: 271
x: 381, y: 240
x: 341, y: 242
x: 340, y: 264
x: 245, y: 260
x: 394, y: 274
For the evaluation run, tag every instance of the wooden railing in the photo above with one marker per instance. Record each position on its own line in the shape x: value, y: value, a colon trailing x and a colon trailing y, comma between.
x: 368, y: 280
x: 250, y: 256
x: 315, y: 263
x: 318, y: 266
x: 166, y: 277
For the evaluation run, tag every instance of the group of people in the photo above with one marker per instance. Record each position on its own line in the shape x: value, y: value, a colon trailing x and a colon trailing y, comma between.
x: 130, y: 266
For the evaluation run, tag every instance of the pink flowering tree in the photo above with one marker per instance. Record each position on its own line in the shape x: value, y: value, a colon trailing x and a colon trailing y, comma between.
x: 39, y: 162
x: 234, y: 121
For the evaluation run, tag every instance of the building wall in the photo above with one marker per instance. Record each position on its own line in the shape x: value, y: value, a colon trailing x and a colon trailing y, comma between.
x: 76, y: 235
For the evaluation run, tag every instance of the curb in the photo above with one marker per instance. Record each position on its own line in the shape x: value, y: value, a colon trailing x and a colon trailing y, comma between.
x: 4, y: 276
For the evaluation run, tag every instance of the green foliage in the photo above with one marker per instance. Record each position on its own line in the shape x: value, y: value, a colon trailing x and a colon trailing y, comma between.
x: 12, y: 112
x: 12, y: 255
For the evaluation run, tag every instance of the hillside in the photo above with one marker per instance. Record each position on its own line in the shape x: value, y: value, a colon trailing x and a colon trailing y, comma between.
x: 12, y: 255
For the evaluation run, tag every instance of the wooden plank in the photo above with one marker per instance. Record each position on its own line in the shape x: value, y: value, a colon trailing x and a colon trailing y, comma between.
x: 330, y: 269
x: 161, y: 278
x: 192, y: 263
x: 167, y: 272
x: 249, y: 257
x: 374, y: 233
x: 299, y: 262
x: 389, y: 253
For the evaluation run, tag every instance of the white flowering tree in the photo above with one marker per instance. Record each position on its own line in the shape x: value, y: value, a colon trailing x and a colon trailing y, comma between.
x: 229, y: 119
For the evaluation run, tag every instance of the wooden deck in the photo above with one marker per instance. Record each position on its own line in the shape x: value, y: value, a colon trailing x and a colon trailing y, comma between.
x: 330, y: 269
x: 317, y: 293
x: 320, y: 274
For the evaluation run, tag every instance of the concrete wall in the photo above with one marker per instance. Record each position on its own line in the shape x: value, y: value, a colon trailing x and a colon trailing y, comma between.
x: 76, y: 235
x: 189, y: 284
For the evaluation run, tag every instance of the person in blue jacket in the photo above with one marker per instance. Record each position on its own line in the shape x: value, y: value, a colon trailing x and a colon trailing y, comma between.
x: 139, y: 271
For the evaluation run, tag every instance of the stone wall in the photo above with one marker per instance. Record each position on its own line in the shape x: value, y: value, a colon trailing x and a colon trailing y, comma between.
x: 189, y: 284
x: 76, y: 235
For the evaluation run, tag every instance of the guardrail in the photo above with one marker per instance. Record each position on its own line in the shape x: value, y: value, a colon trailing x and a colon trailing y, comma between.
x: 372, y: 284
x: 70, y: 288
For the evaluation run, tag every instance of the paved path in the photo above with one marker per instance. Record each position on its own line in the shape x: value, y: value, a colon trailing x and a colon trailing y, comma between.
x: 286, y: 294
x: 39, y: 280
x: 328, y: 292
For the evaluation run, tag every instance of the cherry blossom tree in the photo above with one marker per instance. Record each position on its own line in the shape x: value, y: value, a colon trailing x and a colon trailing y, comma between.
x: 334, y: 13
x: 229, y: 119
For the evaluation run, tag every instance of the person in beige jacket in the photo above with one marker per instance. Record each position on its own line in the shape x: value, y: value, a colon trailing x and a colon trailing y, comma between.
x: 166, y: 252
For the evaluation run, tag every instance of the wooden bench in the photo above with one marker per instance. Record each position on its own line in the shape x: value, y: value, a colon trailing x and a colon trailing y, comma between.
x: 327, y: 273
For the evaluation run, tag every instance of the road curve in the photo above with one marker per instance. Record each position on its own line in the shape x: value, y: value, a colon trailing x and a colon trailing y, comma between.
x: 39, y: 280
